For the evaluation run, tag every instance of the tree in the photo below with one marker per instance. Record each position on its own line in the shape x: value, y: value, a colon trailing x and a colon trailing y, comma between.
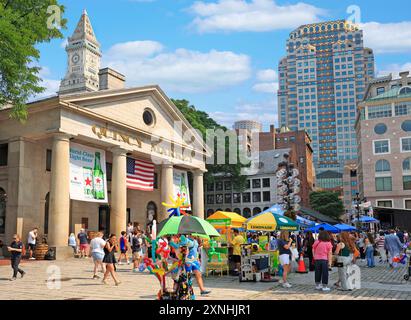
x: 23, y: 25
x: 327, y: 203
x: 201, y: 121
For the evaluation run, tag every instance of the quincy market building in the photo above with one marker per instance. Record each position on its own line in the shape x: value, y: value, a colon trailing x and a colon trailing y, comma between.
x: 86, y: 134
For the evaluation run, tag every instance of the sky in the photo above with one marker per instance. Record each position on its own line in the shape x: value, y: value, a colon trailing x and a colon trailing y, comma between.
x: 221, y: 55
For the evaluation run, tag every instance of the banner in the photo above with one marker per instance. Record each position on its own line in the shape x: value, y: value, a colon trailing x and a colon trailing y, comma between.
x: 88, y: 180
x: 180, y: 182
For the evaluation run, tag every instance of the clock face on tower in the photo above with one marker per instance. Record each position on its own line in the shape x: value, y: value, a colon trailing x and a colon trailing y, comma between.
x: 75, y: 58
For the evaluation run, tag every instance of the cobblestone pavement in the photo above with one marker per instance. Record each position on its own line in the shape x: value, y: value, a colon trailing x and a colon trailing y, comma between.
x: 76, y: 284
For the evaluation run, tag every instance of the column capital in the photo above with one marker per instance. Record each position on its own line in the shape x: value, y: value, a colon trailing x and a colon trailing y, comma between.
x: 62, y: 136
x: 198, y: 172
x: 119, y: 151
x: 167, y: 166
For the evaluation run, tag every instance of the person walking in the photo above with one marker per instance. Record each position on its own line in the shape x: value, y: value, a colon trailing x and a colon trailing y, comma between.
x: 32, y: 240
x: 123, y: 248
x: 345, y: 254
x: 136, y: 249
x: 130, y: 230
x: 369, y: 250
x: 322, y: 251
x: 237, y: 241
x: 380, y: 241
x: 284, y: 248
x: 110, y: 260
x: 308, y: 249
x: 72, y: 242
x: 97, y: 252
x: 400, y: 235
x: 393, y: 245
x: 83, y: 243
x: 16, y: 250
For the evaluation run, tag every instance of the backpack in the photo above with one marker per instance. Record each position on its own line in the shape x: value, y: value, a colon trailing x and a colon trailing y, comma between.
x: 136, y: 244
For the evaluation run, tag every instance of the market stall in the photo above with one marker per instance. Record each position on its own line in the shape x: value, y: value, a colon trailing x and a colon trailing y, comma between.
x: 257, y: 262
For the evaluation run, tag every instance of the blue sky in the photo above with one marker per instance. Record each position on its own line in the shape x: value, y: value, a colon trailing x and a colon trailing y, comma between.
x: 221, y: 55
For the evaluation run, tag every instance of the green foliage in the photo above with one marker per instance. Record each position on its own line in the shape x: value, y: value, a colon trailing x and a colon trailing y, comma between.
x: 23, y: 25
x: 201, y: 121
x: 327, y: 203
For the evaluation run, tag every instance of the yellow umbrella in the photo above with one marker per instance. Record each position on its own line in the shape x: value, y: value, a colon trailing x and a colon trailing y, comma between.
x: 268, y: 221
x: 236, y: 220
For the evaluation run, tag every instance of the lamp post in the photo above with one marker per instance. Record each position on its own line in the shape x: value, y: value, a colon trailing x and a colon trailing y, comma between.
x: 288, y: 187
x: 357, y: 201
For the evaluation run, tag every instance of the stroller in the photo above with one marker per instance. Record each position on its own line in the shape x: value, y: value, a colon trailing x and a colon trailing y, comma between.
x: 408, y: 253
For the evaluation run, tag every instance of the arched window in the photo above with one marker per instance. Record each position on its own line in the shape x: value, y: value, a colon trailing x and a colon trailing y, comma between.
x: 237, y: 210
x: 404, y: 90
x: 256, y: 211
x: 151, y: 214
x: 2, y: 211
x: 406, y: 164
x: 382, y: 166
x: 227, y: 210
x: 209, y: 212
x: 246, y: 213
x: 46, y: 213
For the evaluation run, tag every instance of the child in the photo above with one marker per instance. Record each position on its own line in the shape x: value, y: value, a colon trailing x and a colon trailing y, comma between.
x: 123, y: 248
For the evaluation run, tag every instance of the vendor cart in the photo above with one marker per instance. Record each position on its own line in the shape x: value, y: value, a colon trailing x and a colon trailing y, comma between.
x: 254, y: 266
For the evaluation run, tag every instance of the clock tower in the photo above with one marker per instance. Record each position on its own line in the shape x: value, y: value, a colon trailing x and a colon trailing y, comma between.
x: 83, y: 63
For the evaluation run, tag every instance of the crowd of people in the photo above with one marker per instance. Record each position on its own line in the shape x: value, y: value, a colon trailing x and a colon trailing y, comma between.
x: 328, y: 250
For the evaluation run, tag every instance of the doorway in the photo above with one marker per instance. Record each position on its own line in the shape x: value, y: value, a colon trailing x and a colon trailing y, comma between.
x: 104, y: 220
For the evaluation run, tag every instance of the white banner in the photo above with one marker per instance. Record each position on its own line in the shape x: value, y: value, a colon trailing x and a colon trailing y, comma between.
x: 180, y: 182
x: 88, y: 180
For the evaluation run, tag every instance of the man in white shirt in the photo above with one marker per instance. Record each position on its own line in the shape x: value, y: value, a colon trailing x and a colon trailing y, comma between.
x: 97, y: 252
x: 32, y: 240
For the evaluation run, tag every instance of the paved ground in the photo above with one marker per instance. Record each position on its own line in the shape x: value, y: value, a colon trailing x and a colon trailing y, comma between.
x: 76, y: 283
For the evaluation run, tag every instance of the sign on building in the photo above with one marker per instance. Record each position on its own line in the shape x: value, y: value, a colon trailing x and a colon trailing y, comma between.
x: 180, y: 182
x: 88, y: 180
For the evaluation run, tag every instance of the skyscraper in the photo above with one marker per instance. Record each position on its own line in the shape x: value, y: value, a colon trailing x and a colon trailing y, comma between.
x: 323, y: 76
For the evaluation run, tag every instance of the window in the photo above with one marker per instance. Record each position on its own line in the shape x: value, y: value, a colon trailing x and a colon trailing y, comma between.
x: 247, y: 184
x: 236, y: 198
x: 405, y: 144
x: 155, y: 184
x: 227, y: 185
x: 148, y: 117
x: 266, y: 196
x: 382, y: 166
x: 246, y: 197
x: 256, y: 196
x: 406, y: 182
x: 256, y: 183
x: 210, y: 199
x: 210, y: 186
x: 384, y: 203
x: 219, y: 198
x: 266, y: 182
x: 2, y: 211
x: 219, y: 186
x: 383, y: 184
x: 406, y: 126
x: 407, y: 204
x: 380, y: 128
x: 4, y: 148
x: 381, y: 146
x: 227, y: 198
x: 109, y: 171
x: 406, y: 164
x: 380, y: 90
x: 384, y: 111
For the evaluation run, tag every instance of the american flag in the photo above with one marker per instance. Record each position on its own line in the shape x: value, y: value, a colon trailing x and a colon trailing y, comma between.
x: 140, y: 175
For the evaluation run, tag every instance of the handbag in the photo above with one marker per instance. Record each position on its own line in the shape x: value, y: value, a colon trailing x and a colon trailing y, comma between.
x: 356, y: 253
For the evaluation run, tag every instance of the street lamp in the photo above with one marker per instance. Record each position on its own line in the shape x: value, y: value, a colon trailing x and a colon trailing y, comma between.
x: 288, y: 187
x: 357, y: 201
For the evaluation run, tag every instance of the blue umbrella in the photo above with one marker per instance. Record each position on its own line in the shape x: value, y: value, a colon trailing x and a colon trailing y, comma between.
x: 325, y: 226
x: 366, y: 219
x: 277, y: 209
x: 345, y: 227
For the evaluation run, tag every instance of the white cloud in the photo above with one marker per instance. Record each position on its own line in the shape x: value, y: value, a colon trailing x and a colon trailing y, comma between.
x: 254, y: 15
x: 266, y: 87
x: 263, y: 111
x: 395, y: 69
x: 267, y: 75
x: 182, y: 70
x: 388, y: 37
x: 51, y: 85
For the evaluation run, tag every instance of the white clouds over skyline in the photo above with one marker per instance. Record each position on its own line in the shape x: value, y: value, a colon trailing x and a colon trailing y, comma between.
x: 254, y: 15
x: 182, y: 70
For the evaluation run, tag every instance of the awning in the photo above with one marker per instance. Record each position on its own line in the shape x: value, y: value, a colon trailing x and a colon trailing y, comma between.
x: 236, y: 221
x: 325, y: 226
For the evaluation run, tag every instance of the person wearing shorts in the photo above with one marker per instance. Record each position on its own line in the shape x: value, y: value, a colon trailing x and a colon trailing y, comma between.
x: 83, y: 241
x: 284, y: 245
x: 136, y: 249
x: 236, y: 243
x: 31, y: 241
x: 123, y: 248
x: 97, y: 252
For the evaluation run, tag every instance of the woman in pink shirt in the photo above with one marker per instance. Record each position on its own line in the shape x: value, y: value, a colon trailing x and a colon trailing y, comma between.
x: 322, y: 251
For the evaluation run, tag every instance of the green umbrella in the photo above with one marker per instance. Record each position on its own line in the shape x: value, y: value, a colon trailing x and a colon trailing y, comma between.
x: 268, y: 221
x: 186, y: 225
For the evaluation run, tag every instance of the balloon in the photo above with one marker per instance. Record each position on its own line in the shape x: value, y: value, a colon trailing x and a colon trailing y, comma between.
x: 142, y: 267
